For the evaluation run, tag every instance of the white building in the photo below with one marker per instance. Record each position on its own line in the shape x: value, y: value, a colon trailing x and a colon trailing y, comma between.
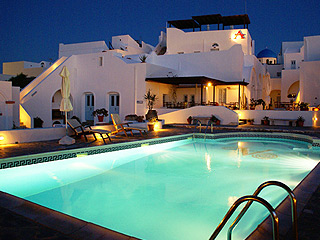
x: 185, y: 69
x: 9, y: 105
x: 31, y: 69
x: 297, y: 73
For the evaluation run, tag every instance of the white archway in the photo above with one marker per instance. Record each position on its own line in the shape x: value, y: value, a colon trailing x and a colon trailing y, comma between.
x: 56, y: 115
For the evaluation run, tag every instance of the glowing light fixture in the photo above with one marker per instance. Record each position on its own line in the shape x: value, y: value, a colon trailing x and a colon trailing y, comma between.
x: 1, y: 138
x: 209, y: 84
x: 316, y: 109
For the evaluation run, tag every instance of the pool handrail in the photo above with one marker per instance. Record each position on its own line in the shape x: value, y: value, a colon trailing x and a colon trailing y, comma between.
x: 256, y: 193
x: 210, y: 122
x: 273, y: 214
x: 198, y: 122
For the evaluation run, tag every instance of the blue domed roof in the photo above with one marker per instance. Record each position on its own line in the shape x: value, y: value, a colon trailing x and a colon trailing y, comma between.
x: 266, y: 53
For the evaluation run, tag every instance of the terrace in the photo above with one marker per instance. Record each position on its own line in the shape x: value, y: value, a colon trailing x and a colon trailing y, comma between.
x: 17, y: 224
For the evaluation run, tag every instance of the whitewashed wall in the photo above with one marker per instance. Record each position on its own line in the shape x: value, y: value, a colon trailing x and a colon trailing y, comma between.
x: 223, y: 65
x: 310, y: 82
x: 6, y: 110
x: 288, y: 78
x: 227, y: 116
x: 312, y: 48
x: 311, y: 118
x: 67, y: 50
x: 31, y: 135
x: 190, y: 42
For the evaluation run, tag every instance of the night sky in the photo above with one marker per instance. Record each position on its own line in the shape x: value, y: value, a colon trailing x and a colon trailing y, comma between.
x: 32, y: 30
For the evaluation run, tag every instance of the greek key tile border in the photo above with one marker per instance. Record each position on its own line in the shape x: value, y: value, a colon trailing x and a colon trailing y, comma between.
x: 61, y: 155
x: 240, y: 135
x: 65, y: 154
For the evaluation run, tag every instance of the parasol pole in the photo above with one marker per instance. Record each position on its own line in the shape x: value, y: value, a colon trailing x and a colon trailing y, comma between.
x: 65, y: 113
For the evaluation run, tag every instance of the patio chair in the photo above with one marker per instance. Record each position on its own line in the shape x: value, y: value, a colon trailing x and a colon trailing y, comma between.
x: 119, y: 126
x: 80, y: 130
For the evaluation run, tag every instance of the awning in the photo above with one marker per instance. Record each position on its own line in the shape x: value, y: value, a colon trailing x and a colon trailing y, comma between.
x: 184, y: 24
x: 193, y: 80
x: 198, y: 21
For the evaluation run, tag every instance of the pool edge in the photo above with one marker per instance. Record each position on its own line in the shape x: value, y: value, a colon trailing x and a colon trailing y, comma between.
x: 81, y: 229
x: 303, y: 193
x: 60, y: 222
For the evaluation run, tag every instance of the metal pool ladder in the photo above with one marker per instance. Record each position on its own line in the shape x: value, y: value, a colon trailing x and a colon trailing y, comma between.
x: 210, y: 123
x: 249, y: 199
x: 198, y: 123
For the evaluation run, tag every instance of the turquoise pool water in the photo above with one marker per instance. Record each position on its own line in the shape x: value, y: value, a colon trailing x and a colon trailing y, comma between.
x: 177, y: 190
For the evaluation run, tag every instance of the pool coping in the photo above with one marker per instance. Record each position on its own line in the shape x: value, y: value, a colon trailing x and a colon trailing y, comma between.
x: 80, y: 229
x: 71, y: 153
x: 303, y: 192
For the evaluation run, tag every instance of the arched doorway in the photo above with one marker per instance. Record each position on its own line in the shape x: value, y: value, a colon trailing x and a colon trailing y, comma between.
x: 293, y: 89
x: 275, y: 99
x: 58, y: 116
x: 114, y: 104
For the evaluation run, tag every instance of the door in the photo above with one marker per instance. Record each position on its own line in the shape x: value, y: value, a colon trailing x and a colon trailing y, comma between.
x: 222, y: 95
x: 89, y: 107
x: 165, y: 100
x: 114, y: 102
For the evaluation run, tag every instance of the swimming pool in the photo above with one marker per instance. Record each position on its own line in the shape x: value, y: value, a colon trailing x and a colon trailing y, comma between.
x: 173, y: 190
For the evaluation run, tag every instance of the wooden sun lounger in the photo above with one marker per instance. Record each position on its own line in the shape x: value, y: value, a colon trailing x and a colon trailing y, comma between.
x: 80, y: 130
x: 119, y: 126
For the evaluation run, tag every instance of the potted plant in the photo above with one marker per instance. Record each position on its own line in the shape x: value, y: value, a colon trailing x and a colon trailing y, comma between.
x: 266, y: 121
x: 189, y: 120
x: 261, y: 102
x: 303, y: 106
x: 215, y: 120
x: 151, y: 98
x: 250, y: 121
x: 151, y: 124
x: 143, y: 58
x: 140, y: 118
x: 253, y: 104
x: 37, y: 122
x: 300, y: 121
x: 100, y: 113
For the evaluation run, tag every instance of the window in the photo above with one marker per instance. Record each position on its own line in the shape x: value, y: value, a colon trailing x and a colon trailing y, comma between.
x: 222, y: 95
x: 192, y: 98
x: 117, y: 101
x: 293, y: 64
x: 100, y: 61
x: 185, y: 97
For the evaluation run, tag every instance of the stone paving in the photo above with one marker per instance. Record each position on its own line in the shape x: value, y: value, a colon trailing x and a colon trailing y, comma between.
x: 13, y: 226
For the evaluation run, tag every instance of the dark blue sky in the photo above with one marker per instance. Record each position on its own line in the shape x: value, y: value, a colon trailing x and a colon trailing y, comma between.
x: 32, y: 30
